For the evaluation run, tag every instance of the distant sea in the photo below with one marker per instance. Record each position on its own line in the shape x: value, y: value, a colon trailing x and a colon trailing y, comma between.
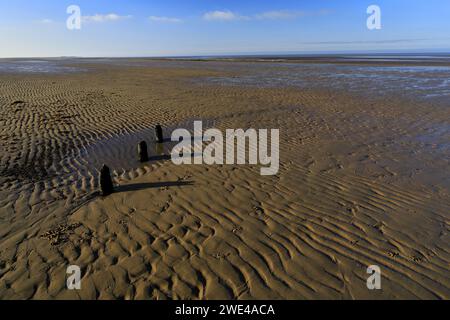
x: 421, y: 75
x: 35, y: 66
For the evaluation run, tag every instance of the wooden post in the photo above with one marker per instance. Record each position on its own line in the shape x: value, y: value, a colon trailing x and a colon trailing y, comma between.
x: 106, y: 184
x: 159, y: 134
x: 142, y: 151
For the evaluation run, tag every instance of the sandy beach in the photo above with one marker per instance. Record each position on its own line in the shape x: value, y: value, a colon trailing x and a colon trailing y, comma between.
x: 364, y: 180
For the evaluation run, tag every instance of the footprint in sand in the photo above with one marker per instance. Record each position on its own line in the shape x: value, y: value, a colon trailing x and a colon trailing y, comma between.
x: 257, y: 212
x: 166, y: 205
x: 185, y: 177
x: 237, y: 230
x: 220, y: 255
x: 393, y: 254
x: 60, y: 234
x: 379, y: 226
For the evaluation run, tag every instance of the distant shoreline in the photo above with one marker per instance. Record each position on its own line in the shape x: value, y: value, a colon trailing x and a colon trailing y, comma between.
x: 384, y: 59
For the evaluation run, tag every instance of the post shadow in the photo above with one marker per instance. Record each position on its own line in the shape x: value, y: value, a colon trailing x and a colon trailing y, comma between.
x: 159, y: 153
x: 152, y: 185
x: 162, y: 157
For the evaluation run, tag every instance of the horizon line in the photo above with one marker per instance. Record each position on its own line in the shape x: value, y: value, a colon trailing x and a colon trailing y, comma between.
x: 442, y: 51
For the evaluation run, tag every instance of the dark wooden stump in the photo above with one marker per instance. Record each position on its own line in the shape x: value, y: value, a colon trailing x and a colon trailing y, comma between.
x: 142, y: 151
x: 159, y: 134
x: 106, y: 184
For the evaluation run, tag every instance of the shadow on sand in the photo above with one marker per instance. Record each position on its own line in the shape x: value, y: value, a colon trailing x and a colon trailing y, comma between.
x: 159, y: 158
x: 152, y: 185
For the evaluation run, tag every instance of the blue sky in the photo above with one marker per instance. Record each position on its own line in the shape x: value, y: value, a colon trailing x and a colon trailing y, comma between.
x: 33, y: 28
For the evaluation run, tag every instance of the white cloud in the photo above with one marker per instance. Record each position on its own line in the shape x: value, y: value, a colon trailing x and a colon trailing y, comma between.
x: 45, y: 21
x: 165, y: 19
x: 280, y: 14
x: 105, y: 17
x: 289, y: 14
x: 225, y: 15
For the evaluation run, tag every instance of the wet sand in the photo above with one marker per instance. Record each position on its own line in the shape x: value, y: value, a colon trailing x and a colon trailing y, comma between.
x: 362, y: 181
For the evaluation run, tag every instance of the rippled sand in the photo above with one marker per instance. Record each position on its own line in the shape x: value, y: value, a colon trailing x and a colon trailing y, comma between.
x: 362, y: 182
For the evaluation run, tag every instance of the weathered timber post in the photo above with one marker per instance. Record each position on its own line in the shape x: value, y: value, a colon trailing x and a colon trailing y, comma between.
x: 159, y: 134
x: 142, y: 151
x: 106, y: 184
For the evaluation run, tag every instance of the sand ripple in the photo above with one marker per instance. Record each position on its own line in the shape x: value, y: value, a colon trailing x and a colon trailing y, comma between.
x: 356, y: 187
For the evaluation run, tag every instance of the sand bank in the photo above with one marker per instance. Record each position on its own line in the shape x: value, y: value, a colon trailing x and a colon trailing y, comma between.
x: 361, y: 182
